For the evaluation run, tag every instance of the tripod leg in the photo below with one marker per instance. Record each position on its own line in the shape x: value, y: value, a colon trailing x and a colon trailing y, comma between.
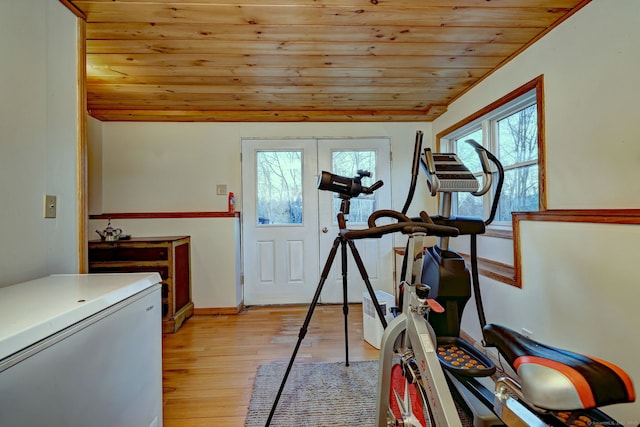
x: 305, y: 325
x: 345, y: 303
x: 365, y: 277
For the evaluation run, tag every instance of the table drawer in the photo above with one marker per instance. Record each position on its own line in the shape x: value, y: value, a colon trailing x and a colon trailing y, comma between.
x: 117, y: 253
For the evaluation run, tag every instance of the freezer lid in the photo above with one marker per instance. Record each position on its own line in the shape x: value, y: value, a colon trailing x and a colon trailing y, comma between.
x: 34, y: 310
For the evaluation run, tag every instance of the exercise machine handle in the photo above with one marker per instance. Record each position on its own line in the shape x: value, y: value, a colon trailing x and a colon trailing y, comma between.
x: 485, y: 156
x: 387, y: 213
x: 486, y: 167
x: 433, y: 183
x: 415, y: 170
x: 433, y: 229
x: 425, y: 217
x: 403, y: 227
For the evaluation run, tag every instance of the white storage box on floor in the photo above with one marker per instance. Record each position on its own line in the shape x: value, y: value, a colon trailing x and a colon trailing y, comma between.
x: 371, y: 325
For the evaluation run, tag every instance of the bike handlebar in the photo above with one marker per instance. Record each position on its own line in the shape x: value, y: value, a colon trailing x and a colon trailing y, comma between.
x: 405, y: 226
x: 387, y: 213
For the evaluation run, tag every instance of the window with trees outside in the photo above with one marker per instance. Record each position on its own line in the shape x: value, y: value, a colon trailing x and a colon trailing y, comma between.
x: 510, y: 129
x: 279, y: 187
x: 347, y: 164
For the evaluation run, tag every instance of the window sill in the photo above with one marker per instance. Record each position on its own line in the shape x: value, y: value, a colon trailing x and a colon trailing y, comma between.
x: 499, y: 232
x: 494, y: 270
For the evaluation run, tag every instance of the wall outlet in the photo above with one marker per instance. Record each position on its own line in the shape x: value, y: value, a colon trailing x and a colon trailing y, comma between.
x: 221, y: 189
x: 49, y: 206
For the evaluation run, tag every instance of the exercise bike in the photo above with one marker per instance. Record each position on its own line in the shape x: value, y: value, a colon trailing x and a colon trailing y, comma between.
x: 423, y: 358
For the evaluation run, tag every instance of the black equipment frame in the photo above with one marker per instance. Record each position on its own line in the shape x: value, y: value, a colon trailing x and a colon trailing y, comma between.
x: 342, y: 241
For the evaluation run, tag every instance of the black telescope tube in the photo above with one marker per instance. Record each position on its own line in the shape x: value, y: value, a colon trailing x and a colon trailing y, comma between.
x: 338, y: 184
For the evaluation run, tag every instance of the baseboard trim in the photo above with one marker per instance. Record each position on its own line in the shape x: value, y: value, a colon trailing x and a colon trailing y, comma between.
x: 217, y: 311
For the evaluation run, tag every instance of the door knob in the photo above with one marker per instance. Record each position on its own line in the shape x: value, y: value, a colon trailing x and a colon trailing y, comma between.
x: 325, y: 230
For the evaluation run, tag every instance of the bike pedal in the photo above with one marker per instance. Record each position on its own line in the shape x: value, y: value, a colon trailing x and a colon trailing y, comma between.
x: 461, y: 358
x: 583, y: 418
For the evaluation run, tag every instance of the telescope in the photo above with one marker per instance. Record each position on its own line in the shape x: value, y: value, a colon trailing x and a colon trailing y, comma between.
x: 346, y: 187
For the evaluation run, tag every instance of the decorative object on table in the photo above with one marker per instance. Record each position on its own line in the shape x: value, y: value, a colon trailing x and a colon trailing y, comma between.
x: 111, y: 234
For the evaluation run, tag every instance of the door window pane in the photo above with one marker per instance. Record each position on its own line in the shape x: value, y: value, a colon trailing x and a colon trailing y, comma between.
x: 347, y: 164
x: 279, y: 187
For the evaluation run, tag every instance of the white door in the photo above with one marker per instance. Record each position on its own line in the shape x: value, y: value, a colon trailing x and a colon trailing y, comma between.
x: 344, y: 157
x: 280, y: 221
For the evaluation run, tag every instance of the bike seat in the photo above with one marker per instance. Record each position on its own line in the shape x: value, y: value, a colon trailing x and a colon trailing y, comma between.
x: 556, y: 379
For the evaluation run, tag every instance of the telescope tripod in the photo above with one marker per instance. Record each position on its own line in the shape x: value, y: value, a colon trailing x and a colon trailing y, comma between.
x: 342, y: 242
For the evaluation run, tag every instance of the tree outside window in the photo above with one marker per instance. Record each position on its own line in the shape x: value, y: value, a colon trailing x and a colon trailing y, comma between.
x: 518, y: 151
x: 279, y: 187
x: 510, y: 131
x: 347, y: 164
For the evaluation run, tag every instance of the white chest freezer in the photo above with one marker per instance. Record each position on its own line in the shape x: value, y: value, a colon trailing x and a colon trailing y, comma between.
x: 81, y: 350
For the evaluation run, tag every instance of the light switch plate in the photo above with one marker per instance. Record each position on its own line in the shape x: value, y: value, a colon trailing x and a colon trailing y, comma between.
x: 221, y: 189
x: 49, y: 206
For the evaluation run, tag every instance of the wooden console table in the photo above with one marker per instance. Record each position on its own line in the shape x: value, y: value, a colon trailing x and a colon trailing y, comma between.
x: 169, y: 256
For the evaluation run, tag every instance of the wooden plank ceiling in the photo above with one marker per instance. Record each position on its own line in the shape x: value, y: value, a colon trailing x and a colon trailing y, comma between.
x: 299, y: 60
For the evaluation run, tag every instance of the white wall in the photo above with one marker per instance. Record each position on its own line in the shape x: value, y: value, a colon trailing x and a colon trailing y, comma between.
x: 580, y: 281
x: 38, y: 139
x: 215, y: 262
x: 165, y: 167
x: 151, y: 167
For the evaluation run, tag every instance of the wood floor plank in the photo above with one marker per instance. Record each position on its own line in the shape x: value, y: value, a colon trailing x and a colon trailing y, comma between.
x: 210, y: 364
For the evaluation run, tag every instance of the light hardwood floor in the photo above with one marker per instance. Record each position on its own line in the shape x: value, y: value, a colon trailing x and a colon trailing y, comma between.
x: 209, y: 365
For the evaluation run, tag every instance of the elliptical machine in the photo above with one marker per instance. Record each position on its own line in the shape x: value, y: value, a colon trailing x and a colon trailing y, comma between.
x: 552, y: 386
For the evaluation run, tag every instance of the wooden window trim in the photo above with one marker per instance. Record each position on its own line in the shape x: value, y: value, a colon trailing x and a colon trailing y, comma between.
x: 489, y: 268
x: 500, y: 233
x: 494, y: 270
x: 512, y: 275
x: 537, y: 84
